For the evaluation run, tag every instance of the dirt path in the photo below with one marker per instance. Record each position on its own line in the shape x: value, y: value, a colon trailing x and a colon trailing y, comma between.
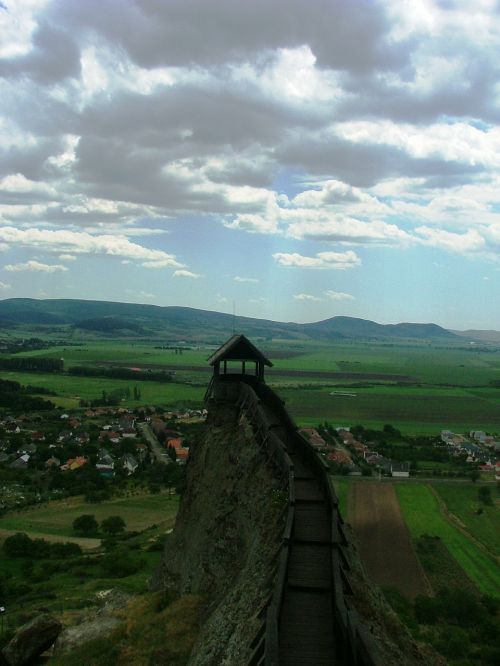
x: 86, y: 544
x: 384, y: 541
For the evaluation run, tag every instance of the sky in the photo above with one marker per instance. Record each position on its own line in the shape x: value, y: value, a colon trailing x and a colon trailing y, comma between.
x: 293, y: 160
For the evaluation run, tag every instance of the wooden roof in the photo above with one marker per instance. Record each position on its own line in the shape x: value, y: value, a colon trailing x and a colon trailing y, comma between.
x: 238, y: 348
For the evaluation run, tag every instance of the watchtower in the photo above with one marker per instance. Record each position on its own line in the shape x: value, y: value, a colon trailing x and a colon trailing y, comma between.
x: 239, y: 359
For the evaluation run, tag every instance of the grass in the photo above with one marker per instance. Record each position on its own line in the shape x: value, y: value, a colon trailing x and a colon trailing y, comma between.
x: 462, y: 501
x: 56, y: 518
x: 341, y: 487
x: 146, y: 635
x: 411, y: 409
x: 67, y: 585
x: 423, y: 516
x: 71, y: 389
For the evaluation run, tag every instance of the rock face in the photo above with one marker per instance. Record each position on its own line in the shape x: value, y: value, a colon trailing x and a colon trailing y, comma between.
x: 226, y: 538
x: 32, y: 639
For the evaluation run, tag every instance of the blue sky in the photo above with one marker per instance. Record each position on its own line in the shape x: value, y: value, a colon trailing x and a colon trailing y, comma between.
x: 299, y: 160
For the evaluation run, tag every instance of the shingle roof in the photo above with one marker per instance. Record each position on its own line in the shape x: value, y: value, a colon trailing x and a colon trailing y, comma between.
x: 238, y: 348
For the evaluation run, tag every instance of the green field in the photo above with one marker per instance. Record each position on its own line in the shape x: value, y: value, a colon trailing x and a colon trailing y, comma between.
x: 55, y: 519
x: 71, y: 389
x: 423, y: 516
x: 411, y: 409
x: 446, y: 387
x: 462, y: 501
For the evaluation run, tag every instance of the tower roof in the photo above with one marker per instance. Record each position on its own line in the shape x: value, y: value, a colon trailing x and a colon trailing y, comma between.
x: 238, y: 348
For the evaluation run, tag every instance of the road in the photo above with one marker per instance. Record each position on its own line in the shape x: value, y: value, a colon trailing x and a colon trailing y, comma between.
x: 158, y: 452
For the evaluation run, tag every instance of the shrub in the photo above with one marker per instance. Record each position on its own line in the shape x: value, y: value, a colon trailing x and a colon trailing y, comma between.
x: 85, y: 524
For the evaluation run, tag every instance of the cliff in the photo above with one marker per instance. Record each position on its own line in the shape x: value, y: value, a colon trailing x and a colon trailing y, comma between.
x: 226, y: 538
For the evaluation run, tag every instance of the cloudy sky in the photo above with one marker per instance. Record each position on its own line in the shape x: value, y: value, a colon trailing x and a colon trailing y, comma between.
x: 299, y: 158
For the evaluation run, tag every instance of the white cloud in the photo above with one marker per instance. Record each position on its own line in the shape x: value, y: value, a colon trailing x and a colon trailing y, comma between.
x: 338, y: 296
x: 67, y: 257
x: 348, y: 231
x: 35, y: 266
x: 471, y: 241
x: 79, y: 242
x: 323, y: 260
x: 306, y: 297
x: 237, y: 278
x: 186, y: 274
x: 4, y: 286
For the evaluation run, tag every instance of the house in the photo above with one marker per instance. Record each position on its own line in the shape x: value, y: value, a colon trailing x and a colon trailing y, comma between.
x: 313, y: 437
x: 340, y: 457
x: 129, y: 433
x: 400, y: 469
x: 74, y: 463
x: 109, y: 435
x: 129, y: 463
x: 26, y: 448
x: 52, y: 462
x: 105, y: 463
x: 497, y: 470
x: 37, y: 436
x: 20, y: 463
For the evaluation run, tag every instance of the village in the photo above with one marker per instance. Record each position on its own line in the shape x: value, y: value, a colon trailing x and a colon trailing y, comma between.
x: 350, y: 451
x: 42, y: 457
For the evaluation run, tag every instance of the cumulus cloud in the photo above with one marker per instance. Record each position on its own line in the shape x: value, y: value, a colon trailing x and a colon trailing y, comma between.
x: 74, y: 242
x: 338, y: 296
x: 4, y: 286
x: 323, y: 260
x: 186, y: 274
x: 363, y: 124
x: 35, y: 266
x: 471, y: 241
x: 237, y: 278
x: 306, y: 297
x: 349, y: 231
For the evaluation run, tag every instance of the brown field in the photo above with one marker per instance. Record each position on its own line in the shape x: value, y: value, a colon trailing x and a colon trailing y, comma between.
x: 384, y: 541
x: 276, y: 372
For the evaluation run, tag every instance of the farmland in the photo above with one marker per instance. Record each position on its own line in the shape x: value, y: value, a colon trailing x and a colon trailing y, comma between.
x: 383, y: 537
x: 56, y: 518
x: 422, y: 514
x: 418, y: 388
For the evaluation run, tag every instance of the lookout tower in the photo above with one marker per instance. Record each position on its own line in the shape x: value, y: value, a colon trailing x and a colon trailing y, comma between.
x: 238, y: 359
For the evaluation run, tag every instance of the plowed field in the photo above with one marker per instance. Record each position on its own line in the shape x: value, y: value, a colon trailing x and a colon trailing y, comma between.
x: 384, y: 541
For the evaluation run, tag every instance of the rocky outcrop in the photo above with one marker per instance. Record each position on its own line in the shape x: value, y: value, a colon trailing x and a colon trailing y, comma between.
x: 32, y: 639
x: 226, y: 538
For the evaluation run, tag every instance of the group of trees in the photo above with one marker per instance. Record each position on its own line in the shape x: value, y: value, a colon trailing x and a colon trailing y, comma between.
x: 86, y: 524
x: 21, y: 545
x: 121, y: 373
x: 32, y: 364
x: 17, y: 398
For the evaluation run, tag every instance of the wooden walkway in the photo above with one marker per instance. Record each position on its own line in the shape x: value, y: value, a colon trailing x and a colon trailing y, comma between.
x: 306, y: 631
x: 306, y: 624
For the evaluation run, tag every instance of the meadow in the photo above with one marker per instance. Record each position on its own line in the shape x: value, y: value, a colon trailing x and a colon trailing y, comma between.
x: 422, y: 514
x: 418, y: 388
x: 55, y: 519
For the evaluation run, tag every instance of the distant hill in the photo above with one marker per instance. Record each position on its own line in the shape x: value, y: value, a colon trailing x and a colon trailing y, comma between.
x: 108, y: 319
x: 480, y: 336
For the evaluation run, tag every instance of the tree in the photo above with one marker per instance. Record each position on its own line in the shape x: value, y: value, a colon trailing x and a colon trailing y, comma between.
x: 85, y: 524
x: 484, y: 495
x: 113, y: 525
x: 474, y: 475
x: 18, y: 545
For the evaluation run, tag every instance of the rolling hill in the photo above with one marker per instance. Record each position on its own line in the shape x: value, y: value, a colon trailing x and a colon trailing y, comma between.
x: 130, y: 320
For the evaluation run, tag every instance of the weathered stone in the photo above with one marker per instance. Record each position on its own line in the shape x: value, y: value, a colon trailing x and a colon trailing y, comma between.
x: 32, y: 639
